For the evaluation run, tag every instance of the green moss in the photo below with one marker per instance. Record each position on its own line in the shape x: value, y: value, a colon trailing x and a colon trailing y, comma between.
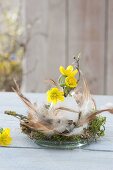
x: 55, y: 137
x: 97, y: 127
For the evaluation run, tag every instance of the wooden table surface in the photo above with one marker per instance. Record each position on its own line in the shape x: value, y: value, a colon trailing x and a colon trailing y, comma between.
x: 23, y: 154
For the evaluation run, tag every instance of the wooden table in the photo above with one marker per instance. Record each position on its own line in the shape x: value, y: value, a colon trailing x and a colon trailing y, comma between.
x: 23, y: 154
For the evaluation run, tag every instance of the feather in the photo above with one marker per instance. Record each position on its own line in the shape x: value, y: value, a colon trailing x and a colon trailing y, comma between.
x: 52, y: 82
x: 25, y: 100
x: 93, y: 115
x: 33, y: 115
x: 38, y: 127
x: 87, y: 102
x: 65, y: 109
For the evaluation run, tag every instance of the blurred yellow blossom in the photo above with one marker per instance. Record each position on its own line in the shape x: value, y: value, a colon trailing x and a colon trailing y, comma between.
x: 5, y: 138
x: 69, y: 71
x: 54, y: 95
x: 5, y: 67
x: 71, y: 82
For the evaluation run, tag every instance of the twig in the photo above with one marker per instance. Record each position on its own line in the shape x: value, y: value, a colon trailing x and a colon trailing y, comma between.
x: 12, y: 113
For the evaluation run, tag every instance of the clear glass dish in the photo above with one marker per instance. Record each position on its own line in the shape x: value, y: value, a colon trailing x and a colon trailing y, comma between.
x: 64, y: 144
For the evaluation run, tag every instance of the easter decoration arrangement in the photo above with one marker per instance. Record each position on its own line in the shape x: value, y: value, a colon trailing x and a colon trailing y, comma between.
x: 70, y: 118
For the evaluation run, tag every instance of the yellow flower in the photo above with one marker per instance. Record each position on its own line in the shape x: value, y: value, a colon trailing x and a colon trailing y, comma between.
x: 54, y: 95
x: 5, y: 67
x: 69, y: 71
x: 71, y: 82
x: 5, y: 138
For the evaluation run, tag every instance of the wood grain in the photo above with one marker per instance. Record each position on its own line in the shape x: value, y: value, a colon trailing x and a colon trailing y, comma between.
x: 86, y: 35
x: 36, y: 56
x: 63, y: 29
x: 45, y: 159
x: 109, y: 61
x: 56, y: 38
x: 46, y: 50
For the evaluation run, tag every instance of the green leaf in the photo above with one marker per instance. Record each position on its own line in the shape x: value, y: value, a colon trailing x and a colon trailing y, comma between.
x: 62, y: 80
x: 1, y: 129
x: 66, y: 91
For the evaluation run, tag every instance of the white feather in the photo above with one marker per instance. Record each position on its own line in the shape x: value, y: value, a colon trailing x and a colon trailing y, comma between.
x: 87, y: 107
x: 109, y: 105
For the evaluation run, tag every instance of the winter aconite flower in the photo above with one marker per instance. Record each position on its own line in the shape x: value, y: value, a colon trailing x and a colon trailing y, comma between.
x: 5, y: 138
x: 69, y: 71
x: 54, y: 95
x: 71, y: 82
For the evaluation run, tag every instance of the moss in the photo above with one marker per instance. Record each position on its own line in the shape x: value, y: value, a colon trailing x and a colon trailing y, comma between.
x: 97, y: 127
